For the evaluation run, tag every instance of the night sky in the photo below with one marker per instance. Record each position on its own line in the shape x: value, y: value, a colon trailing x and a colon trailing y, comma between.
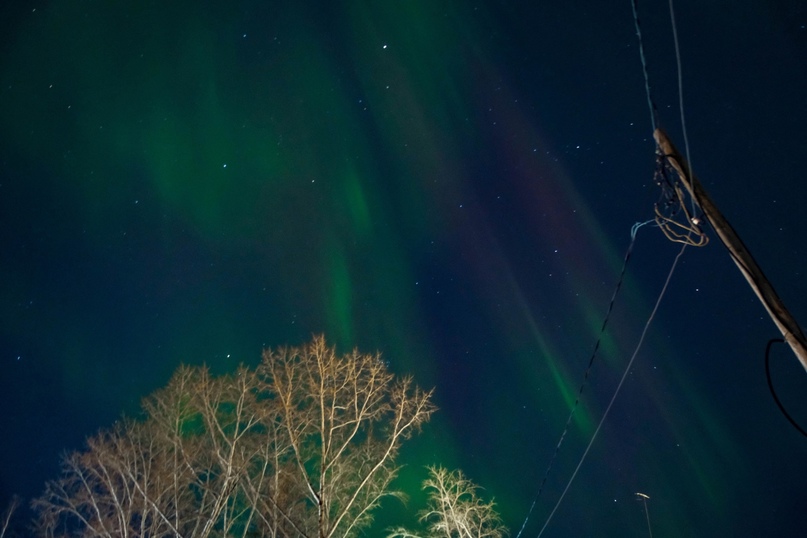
x: 449, y: 182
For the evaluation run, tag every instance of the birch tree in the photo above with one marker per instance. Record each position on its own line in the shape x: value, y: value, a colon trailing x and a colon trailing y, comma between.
x: 302, y: 446
x: 455, y: 509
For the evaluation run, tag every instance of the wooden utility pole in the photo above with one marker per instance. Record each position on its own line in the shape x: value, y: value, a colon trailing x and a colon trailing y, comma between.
x: 742, y: 257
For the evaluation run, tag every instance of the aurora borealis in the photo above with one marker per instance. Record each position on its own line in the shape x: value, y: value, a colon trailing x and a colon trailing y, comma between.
x: 451, y: 183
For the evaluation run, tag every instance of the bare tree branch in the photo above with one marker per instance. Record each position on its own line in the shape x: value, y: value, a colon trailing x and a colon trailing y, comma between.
x: 8, y: 513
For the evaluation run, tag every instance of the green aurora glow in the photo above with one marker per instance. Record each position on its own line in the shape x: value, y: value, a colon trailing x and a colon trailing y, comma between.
x: 207, y: 180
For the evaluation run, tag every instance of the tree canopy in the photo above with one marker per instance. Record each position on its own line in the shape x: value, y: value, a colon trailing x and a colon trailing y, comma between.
x: 304, y: 445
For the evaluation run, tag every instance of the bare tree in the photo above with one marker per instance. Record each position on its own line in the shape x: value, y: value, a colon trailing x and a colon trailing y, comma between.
x: 303, y: 446
x: 455, y: 509
x: 141, y: 478
x: 345, y: 419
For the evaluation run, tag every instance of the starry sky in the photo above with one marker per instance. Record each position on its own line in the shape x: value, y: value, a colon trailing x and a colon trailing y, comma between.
x: 449, y: 182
